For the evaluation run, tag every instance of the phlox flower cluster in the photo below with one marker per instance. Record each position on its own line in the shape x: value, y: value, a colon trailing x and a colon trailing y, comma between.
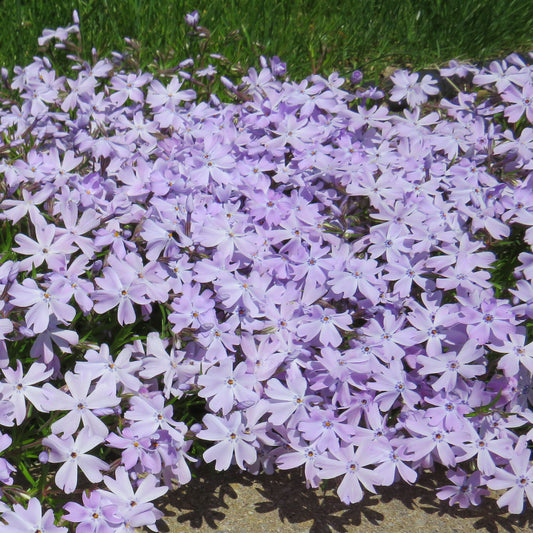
x: 320, y: 272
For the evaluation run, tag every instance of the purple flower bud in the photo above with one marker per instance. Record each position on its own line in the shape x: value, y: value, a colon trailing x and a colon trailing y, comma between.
x: 279, y: 68
x: 356, y: 77
x: 192, y: 19
x: 195, y: 428
x: 186, y: 63
x: 46, y: 62
x: 4, y: 73
x: 97, y: 266
x: 43, y: 457
x: 75, y: 17
x: 227, y: 83
x: 215, y: 100
x: 263, y: 62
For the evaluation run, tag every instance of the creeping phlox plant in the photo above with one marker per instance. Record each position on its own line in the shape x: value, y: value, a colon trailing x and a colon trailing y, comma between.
x: 297, y: 277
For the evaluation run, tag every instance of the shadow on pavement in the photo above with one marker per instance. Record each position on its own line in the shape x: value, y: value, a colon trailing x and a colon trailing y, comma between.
x: 238, y: 501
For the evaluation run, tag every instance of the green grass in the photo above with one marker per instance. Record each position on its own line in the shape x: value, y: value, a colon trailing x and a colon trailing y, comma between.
x: 311, y: 36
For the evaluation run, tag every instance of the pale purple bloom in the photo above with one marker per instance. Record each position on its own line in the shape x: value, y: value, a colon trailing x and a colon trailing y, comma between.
x: 466, y: 489
x: 119, y: 289
x: 233, y: 441
x: 19, y: 387
x: 30, y: 519
x: 80, y: 403
x: 349, y: 462
x: 224, y: 386
x: 72, y: 453
x: 518, y: 479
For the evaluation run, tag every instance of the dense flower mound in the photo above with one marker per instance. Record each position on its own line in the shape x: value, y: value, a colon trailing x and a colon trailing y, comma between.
x: 335, y: 286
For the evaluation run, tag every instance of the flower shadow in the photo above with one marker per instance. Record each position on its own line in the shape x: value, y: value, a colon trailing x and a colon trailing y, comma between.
x: 281, y: 502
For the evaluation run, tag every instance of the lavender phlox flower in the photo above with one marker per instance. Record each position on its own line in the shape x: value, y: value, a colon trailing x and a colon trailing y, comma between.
x: 429, y: 442
x: 522, y: 146
x: 61, y: 34
x: 393, y: 383
x: 29, y: 520
x: 80, y: 88
x: 6, y: 468
x: 376, y: 429
x: 248, y: 291
x: 192, y: 309
x: 448, y: 411
x: 491, y: 319
x: 521, y: 102
x: 214, y: 161
x: 14, y: 210
x: 391, y: 458
x: 462, y: 274
x: 516, y: 352
x: 82, y: 400
x: 357, y: 275
x: 160, y: 238
x: 466, y: 489
x: 455, y: 68
x: 289, y: 399
x: 263, y: 359
x: 128, y: 86
x: 220, y: 339
x: 113, y: 234
x: 131, y: 508
x: 47, y: 247
x: 18, y: 387
x: 42, y: 303
x: 350, y: 463
x: 323, y: 323
x: 233, y: 441
x: 169, y: 364
x: 391, y: 242
x: 99, y: 362
x: 151, y: 275
x: 7, y: 413
x: 337, y: 372
x: 390, y: 335
x: 225, y: 386
x: 518, y: 478
x: 298, y: 453
x: 498, y: 73
x: 407, y: 87
x: 434, y: 324
x: 450, y: 365
x: 228, y: 235
x: 72, y: 453
x: 149, y: 413
x: 325, y: 429
x: 91, y: 514
x: 169, y: 95
x: 484, y: 444
x: 405, y: 272
x: 119, y: 287
x: 70, y: 281
x: 136, y: 449
x: 77, y: 228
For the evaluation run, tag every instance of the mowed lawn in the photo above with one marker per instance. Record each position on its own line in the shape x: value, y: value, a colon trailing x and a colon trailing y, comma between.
x: 310, y: 35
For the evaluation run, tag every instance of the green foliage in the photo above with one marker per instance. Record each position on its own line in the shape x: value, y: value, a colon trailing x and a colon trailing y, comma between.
x: 311, y: 36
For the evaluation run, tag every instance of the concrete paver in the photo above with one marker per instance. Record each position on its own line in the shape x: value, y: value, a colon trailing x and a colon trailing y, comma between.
x: 233, y: 501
